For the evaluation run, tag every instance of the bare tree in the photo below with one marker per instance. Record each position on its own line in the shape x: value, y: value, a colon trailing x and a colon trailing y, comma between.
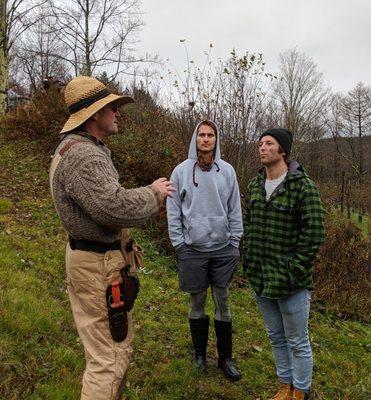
x: 301, y: 95
x: 16, y: 17
x: 233, y: 93
x: 229, y: 92
x: 355, y: 109
x: 33, y: 56
x: 350, y: 121
x: 3, y: 57
x: 98, y: 35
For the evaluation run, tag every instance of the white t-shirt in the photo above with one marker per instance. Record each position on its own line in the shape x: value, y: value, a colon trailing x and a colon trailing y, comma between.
x: 270, y: 185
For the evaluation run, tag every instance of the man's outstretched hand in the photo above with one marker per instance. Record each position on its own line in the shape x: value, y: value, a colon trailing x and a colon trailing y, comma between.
x: 164, y: 186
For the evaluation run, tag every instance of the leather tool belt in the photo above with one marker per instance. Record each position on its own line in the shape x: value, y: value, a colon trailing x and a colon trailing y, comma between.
x: 90, y: 245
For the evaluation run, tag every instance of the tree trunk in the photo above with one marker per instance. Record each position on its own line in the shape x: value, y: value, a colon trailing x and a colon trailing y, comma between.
x: 342, y: 192
x: 87, y: 69
x: 360, y: 149
x: 3, y: 58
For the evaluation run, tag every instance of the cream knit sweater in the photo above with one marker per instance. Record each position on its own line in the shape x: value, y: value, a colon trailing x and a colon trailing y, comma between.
x: 88, y: 197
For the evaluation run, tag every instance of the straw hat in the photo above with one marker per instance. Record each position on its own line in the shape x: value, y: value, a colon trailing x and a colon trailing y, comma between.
x: 85, y: 96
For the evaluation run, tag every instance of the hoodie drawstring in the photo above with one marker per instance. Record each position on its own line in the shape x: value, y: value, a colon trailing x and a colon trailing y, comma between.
x: 194, y: 172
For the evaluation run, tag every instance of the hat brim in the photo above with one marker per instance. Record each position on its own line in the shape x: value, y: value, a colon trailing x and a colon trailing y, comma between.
x: 79, y: 117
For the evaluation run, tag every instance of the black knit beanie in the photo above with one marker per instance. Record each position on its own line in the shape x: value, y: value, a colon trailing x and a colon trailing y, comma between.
x: 283, y: 137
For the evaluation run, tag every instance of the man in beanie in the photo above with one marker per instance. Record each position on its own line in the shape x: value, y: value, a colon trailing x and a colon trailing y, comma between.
x: 283, y: 227
x: 93, y: 207
x: 205, y: 227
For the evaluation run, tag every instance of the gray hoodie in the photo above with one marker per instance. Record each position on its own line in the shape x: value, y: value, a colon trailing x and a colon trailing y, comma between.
x: 205, y: 211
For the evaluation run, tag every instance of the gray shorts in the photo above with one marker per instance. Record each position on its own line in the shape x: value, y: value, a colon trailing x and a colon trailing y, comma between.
x: 198, y: 270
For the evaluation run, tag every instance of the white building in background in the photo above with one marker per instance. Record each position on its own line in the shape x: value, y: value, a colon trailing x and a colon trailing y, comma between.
x: 14, y: 99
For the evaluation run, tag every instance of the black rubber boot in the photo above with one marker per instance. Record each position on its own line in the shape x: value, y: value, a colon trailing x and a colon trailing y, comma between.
x: 200, y: 334
x: 223, y: 332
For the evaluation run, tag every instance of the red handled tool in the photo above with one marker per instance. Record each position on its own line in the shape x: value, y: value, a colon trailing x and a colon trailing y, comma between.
x: 116, y: 295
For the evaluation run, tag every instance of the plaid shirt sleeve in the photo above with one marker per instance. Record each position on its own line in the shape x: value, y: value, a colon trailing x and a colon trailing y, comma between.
x: 311, y: 234
x: 246, y: 226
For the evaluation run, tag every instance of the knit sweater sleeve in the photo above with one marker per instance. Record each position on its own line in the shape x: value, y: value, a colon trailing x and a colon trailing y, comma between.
x: 92, y: 182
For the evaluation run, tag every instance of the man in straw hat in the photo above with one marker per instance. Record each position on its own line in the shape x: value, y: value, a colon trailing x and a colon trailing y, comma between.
x: 93, y: 207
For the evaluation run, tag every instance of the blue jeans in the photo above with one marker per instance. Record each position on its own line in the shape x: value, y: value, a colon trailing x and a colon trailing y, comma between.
x: 286, y: 322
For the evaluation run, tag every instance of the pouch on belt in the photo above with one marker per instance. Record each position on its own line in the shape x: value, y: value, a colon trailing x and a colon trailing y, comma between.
x: 120, y: 298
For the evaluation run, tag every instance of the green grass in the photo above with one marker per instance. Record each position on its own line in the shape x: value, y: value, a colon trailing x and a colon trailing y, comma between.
x: 41, y: 356
x: 364, y: 225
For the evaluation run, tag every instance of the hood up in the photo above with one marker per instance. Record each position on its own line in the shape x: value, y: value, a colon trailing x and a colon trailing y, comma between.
x: 192, y: 152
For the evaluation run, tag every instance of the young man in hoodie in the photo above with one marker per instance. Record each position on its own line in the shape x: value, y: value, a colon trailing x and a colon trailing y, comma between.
x: 283, y: 224
x: 205, y: 227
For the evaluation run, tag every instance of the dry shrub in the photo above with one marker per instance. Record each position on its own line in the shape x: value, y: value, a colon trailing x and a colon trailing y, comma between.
x: 330, y: 192
x: 342, y: 271
x: 147, y: 148
x: 38, y: 121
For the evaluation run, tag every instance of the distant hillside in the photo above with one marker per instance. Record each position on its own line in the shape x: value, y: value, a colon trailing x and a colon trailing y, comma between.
x: 323, y: 159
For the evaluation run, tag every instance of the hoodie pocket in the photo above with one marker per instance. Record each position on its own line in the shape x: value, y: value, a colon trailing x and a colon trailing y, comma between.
x: 207, y: 230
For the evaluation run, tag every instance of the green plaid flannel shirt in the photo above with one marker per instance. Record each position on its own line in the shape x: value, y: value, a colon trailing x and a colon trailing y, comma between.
x: 282, y: 235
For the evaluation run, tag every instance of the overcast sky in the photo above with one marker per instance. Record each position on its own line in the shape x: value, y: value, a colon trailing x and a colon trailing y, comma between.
x: 336, y: 34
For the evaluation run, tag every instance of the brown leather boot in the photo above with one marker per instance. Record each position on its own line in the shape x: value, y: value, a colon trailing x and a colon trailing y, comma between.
x: 285, y: 392
x: 299, y: 395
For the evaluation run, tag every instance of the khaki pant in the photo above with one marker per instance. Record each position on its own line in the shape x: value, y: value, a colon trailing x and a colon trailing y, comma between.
x: 88, y: 275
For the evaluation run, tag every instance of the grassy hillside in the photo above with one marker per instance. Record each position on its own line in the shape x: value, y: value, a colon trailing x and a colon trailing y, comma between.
x: 41, y: 356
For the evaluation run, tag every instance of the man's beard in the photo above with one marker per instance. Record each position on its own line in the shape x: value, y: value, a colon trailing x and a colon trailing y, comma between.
x: 205, y: 159
x: 205, y: 155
